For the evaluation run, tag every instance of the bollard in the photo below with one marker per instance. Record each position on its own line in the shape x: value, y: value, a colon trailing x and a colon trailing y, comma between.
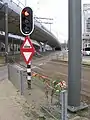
x: 63, y: 96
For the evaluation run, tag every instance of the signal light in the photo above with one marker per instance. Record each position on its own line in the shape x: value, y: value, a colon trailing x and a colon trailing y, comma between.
x: 26, y: 21
x: 26, y: 13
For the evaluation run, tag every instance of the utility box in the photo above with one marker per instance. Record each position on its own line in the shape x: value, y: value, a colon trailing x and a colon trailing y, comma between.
x: 17, y: 76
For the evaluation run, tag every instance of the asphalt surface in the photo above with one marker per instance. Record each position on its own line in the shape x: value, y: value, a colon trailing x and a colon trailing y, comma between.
x: 3, y: 73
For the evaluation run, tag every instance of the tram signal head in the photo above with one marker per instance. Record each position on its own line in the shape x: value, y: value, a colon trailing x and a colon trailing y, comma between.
x: 26, y: 21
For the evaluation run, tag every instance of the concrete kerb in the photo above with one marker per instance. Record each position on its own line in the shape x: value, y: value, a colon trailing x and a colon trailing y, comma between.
x: 1, y: 65
x: 83, y: 63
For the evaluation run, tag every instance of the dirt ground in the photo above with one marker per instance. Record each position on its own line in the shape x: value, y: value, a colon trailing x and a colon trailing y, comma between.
x: 36, y: 96
x: 39, y: 105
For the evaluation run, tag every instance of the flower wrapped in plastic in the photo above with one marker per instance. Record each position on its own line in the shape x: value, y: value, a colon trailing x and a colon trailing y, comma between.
x: 59, y: 85
x: 34, y: 74
x: 44, y: 77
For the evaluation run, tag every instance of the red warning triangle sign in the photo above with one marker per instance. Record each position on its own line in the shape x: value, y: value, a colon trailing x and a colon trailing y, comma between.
x: 27, y: 50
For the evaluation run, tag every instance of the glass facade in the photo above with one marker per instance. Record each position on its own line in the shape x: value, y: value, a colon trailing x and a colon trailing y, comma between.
x: 88, y: 25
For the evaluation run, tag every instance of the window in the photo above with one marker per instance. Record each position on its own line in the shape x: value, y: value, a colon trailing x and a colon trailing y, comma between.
x: 89, y: 44
x: 87, y: 49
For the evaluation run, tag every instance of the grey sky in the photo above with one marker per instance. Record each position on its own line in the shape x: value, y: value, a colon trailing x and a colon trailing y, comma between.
x: 56, y: 9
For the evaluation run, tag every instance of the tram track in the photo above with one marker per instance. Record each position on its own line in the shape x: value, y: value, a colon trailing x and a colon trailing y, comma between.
x: 49, y: 67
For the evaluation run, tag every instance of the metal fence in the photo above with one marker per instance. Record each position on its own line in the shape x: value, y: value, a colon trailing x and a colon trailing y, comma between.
x: 17, y: 76
x: 55, y: 103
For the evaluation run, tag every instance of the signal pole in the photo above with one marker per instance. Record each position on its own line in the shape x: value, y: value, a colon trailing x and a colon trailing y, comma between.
x: 75, y: 45
x: 26, y: 28
x: 75, y: 33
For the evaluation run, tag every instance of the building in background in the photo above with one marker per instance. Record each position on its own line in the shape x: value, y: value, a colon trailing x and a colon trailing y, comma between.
x: 47, y: 47
x: 86, y: 27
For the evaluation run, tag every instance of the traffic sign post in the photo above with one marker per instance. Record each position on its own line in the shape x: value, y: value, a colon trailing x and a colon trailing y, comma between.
x: 27, y: 50
x: 29, y: 75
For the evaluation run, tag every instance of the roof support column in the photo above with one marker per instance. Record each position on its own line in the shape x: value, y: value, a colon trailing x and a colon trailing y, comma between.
x: 9, y: 48
x: 41, y: 47
x: 53, y: 48
x: 44, y: 45
x: 12, y: 46
x: 0, y: 45
x: 17, y: 47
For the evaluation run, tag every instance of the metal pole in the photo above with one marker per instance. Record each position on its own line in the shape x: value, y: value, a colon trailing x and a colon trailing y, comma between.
x: 63, y: 97
x: 74, y: 69
x: 6, y: 32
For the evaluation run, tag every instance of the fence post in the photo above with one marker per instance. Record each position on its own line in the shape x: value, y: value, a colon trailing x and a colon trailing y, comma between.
x: 63, y: 98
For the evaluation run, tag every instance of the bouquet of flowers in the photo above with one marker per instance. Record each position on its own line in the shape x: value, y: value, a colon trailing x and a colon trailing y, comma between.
x: 58, y: 85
